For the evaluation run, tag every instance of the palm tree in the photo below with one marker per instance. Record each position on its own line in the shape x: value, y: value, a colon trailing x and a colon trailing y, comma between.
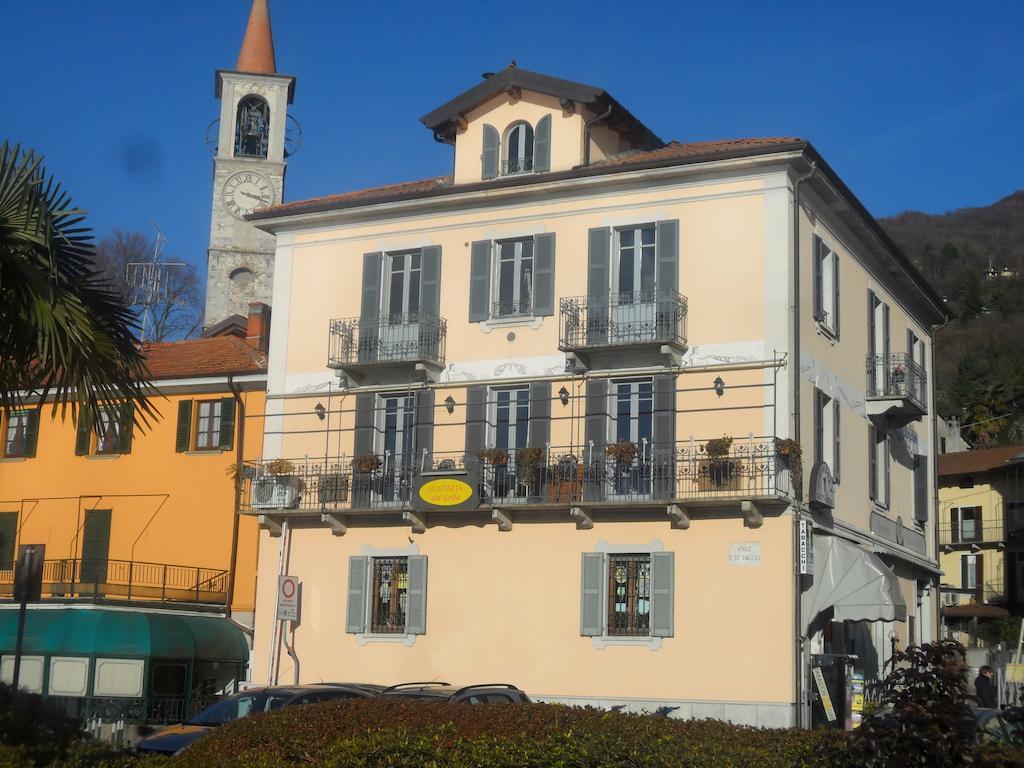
x: 65, y: 334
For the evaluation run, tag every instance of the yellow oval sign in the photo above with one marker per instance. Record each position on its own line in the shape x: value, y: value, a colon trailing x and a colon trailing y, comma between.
x: 445, y: 492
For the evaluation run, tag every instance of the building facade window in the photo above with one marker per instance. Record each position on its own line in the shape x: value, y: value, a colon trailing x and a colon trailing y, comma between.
x: 205, y: 425
x: 395, y: 438
x: 518, y: 149
x: 389, y: 595
x: 511, y: 418
x: 826, y: 431
x: 635, y: 265
x: 514, y: 277
x: 879, y: 467
x: 631, y: 424
x: 402, y: 292
x: 965, y: 524
x: 20, y: 434
x: 826, y: 287
x: 629, y: 595
x: 971, y: 574
x: 208, y: 425
x: 879, y: 346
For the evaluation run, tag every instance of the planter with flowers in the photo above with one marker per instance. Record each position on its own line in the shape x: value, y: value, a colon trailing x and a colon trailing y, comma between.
x: 718, y: 470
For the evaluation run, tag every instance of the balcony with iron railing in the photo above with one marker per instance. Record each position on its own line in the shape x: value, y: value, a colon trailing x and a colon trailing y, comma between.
x: 680, y: 473
x: 622, y: 320
x: 897, y: 387
x: 517, y: 165
x: 968, y: 532
x: 403, y: 341
x: 75, y: 578
x: 512, y: 309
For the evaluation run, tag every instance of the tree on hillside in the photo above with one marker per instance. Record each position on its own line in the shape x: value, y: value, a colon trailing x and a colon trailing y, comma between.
x: 63, y: 332
x: 178, y: 311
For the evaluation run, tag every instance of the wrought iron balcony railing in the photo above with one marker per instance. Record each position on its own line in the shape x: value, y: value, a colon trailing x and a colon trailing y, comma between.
x: 622, y: 319
x: 519, y: 165
x: 897, y: 376
x: 967, y: 532
x: 521, y: 308
x: 387, y: 339
x: 551, y: 476
x: 153, y: 710
x: 127, y: 580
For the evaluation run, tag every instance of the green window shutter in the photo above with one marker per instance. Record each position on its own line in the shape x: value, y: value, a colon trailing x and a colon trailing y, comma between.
x: 954, y: 521
x: 31, y: 433
x: 183, y: 436
x: 540, y: 414
x: 664, y: 437
x: 83, y: 434
x: 837, y: 445
x: 816, y: 259
x: 595, y: 435
x: 227, y: 423
x: 430, y: 281
x: 921, y: 488
x: 8, y: 538
x: 362, y: 482
x: 369, y: 309
x: 872, y: 464
x: 489, y: 158
x: 416, y: 596
x: 358, y: 570
x: 480, y: 281
x: 662, y: 594
x: 126, y: 419
x: 476, y: 420
x: 667, y: 255
x: 542, y: 145
x: 591, y: 603
x: 598, y: 284
x: 424, y: 435
x: 835, y: 292
x: 544, y: 275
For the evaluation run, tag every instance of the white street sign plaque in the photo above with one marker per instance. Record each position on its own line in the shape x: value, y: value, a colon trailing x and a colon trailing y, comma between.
x: 287, y: 598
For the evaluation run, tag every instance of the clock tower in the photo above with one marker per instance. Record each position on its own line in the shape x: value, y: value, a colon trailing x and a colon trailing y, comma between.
x: 248, y: 172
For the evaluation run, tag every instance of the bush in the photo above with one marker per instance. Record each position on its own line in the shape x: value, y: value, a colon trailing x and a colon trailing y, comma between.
x: 424, y: 733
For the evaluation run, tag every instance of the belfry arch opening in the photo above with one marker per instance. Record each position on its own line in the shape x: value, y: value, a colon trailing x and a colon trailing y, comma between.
x: 252, y: 127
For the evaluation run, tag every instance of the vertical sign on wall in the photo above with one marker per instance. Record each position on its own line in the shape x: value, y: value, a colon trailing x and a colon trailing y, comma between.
x: 288, y: 598
x: 805, y: 556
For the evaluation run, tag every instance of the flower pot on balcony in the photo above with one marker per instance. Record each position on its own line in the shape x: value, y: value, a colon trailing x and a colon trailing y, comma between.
x: 565, y: 481
x: 716, y: 475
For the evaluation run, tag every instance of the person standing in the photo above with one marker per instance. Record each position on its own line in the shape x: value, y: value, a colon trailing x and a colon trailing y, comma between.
x: 985, y: 689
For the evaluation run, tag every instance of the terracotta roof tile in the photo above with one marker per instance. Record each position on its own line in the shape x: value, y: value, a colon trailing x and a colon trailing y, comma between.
x: 215, y: 356
x: 981, y: 460
x: 672, y: 150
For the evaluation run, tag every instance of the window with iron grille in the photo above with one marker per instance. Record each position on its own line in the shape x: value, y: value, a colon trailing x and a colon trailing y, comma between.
x: 629, y: 595
x: 208, y: 425
x: 390, y: 595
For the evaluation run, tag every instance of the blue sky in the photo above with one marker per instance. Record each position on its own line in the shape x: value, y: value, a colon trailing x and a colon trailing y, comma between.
x: 917, y: 105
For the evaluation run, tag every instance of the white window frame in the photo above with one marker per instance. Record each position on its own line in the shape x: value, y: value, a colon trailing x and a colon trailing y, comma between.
x: 380, y: 436
x: 634, y: 417
x: 16, y: 419
x: 523, y: 158
x: 972, y: 572
x: 604, y: 639
x: 883, y: 477
x: 492, y: 414
x: 978, y: 534
x: 110, y: 431
x: 370, y: 553
x: 517, y: 282
x: 827, y: 261
x: 213, y: 430
x: 826, y: 429
x: 638, y: 249
x: 407, y: 269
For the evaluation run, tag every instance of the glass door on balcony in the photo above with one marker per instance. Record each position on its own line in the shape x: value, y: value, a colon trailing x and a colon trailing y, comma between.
x: 515, y: 279
x: 632, y: 423
x: 633, y: 291
x: 398, y: 413
x: 511, y: 419
x: 400, y: 336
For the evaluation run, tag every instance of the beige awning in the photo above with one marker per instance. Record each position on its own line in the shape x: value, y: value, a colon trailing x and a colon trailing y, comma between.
x: 852, y: 581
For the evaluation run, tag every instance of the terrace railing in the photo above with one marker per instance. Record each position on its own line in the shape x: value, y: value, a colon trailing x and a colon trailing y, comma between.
x: 387, y: 340
x: 622, y: 319
x: 897, y: 375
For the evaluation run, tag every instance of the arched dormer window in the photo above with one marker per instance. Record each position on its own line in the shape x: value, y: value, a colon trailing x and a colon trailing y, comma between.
x: 252, y: 127
x: 518, y: 149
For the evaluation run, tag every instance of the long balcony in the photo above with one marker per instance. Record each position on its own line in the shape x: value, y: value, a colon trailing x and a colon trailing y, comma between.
x: 397, y: 342
x: 897, y: 387
x: 75, y: 578
x: 967, y: 534
x: 620, y: 321
x: 645, y: 475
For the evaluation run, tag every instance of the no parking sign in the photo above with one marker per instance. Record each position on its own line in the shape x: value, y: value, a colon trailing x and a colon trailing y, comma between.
x: 288, y: 598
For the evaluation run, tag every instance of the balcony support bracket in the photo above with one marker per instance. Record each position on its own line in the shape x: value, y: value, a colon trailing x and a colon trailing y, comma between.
x: 673, y: 355
x: 752, y: 516
x: 418, y: 523
x: 679, y: 515
x: 428, y: 372
x: 583, y: 519
x: 337, y: 523
x: 574, y: 363
x: 270, y: 524
x: 504, y: 521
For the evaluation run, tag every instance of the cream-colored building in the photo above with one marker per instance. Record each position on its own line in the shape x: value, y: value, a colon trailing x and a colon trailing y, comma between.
x: 502, y: 396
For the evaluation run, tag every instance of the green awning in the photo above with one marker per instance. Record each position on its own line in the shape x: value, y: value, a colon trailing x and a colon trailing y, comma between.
x: 106, y: 632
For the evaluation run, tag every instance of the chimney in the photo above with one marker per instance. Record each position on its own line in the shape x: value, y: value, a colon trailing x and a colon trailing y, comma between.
x: 258, y: 329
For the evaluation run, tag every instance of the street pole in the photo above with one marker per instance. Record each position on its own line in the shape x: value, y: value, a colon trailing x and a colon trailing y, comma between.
x: 22, y: 610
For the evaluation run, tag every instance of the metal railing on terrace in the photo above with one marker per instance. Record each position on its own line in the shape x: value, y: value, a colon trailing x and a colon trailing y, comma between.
x: 622, y: 319
x: 153, y: 710
x: 387, y: 339
x: 517, y: 165
x: 551, y: 476
x: 127, y: 580
x: 967, y: 532
x: 897, y: 376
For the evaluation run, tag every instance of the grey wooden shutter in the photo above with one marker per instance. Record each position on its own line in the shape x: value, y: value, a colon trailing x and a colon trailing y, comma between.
x: 667, y: 256
x: 662, y: 594
x: 369, y: 311
x: 816, y: 260
x: 835, y: 293
x: 31, y: 433
x: 424, y: 439
x: 819, y: 426
x: 921, y: 488
x: 227, y: 423
x: 480, y: 281
x: 416, y: 596
x: 540, y: 414
x: 126, y: 420
x: 83, y: 436
x: 544, y: 275
x: 542, y: 145
x: 885, y: 338
x: 489, y: 158
x: 362, y: 445
x: 872, y: 351
x: 358, y: 571
x: 836, y: 444
x: 954, y: 521
x: 872, y: 464
x: 595, y: 438
x: 979, y: 574
x: 183, y: 436
x: 887, y: 462
x: 476, y: 420
x: 664, y: 437
x: 430, y: 281
x: 598, y: 284
x: 964, y: 560
x: 979, y: 533
x: 591, y: 589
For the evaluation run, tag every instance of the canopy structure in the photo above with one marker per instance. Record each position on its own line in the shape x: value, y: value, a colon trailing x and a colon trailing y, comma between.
x: 134, y: 633
x: 853, y: 582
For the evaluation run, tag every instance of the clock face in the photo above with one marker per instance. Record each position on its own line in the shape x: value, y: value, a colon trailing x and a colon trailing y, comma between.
x: 246, y: 191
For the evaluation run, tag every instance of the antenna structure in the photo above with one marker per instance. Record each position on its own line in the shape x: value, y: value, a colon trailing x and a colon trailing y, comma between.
x: 150, y: 283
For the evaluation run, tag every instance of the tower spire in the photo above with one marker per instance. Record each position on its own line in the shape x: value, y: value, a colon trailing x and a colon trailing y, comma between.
x: 257, y: 54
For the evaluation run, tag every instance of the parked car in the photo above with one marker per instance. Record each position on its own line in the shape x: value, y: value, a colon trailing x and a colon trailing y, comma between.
x: 485, y: 693
x: 172, y: 740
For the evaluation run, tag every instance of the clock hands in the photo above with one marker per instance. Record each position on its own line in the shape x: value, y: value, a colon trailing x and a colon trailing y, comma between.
x: 251, y: 197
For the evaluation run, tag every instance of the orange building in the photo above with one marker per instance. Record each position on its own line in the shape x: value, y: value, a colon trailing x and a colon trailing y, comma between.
x: 149, y: 575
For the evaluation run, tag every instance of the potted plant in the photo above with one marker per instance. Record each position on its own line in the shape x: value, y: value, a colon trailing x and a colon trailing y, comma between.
x: 528, y: 463
x: 496, y: 457
x: 791, y: 456
x: 279, y: 467
x: 898, y: 374
x: 369, y: 462
x: 720, y: 467
x: 566, y: 479
x: 623, y: 453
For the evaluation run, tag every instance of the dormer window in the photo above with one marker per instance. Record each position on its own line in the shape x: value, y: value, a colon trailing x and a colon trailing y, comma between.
x: 518, y: 149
